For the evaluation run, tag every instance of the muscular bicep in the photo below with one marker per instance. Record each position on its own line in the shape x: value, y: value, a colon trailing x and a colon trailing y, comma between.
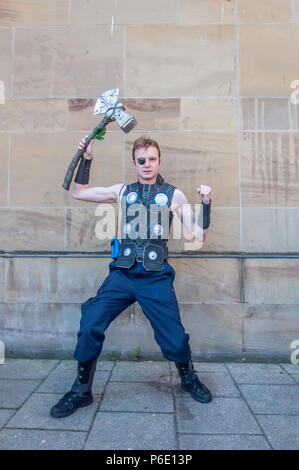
x: 98, y: 193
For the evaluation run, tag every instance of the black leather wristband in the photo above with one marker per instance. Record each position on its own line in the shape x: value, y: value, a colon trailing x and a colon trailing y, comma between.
x: 204, y: 215
x: 82, y: 176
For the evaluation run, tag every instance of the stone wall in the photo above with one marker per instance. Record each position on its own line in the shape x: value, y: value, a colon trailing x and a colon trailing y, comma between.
x: 211, y: 81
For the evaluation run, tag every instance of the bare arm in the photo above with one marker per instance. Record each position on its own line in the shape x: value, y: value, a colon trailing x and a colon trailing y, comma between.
x: 97, y: 193
x: 180, y: 204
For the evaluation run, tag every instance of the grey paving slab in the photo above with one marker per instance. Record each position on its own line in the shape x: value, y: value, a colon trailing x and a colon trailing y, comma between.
x: 26, y: 368
x: 25, y: 439
x: 220, y: 416
x: 204, y: 367
x: 293, y: 370
x: 281, y: 431
x: 122, y: 396
x: 230, y: 442
x: 112, y: 430
x: 13, y: 393
x: 5, y: 415
x: 272, y: 399
x: 259, y: 374
x: 220, y: 384
x: 147, y: 371
x: 34, y: 414
x: 60, y: 381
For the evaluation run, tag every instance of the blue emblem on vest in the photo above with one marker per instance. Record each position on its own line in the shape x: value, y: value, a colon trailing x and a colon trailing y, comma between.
x: 161, y: 199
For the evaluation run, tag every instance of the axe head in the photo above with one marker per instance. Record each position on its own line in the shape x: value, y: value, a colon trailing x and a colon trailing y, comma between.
x: 108, y: 103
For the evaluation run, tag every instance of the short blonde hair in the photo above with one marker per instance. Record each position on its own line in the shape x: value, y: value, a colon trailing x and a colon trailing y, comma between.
x: 145, y: 142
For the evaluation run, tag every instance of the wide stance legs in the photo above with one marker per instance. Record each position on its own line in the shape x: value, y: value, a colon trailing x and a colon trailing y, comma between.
x: 155, y: 293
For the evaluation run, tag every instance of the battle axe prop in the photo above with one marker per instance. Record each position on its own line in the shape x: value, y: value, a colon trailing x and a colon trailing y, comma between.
x: 114, y: 111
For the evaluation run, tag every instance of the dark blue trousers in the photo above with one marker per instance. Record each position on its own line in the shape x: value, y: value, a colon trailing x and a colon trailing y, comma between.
x: 155, y: 294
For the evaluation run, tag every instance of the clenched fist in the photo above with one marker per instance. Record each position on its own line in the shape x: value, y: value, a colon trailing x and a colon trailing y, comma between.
x: 88, y: 151
x: 204, y: 193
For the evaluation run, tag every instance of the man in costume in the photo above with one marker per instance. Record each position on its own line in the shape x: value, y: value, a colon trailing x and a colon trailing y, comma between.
x: 140, y: 271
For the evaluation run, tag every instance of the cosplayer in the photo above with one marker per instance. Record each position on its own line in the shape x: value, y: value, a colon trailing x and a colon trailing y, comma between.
x: 139, y: 272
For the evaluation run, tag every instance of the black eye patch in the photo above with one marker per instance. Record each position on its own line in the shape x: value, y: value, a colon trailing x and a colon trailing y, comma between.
x: 141, y: 161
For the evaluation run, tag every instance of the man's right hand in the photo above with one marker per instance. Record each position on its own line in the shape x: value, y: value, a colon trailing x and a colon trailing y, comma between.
x: 89, y: 150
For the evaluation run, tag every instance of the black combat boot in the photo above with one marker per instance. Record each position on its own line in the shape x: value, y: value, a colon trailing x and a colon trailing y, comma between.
x: 192, y: 384
x: 80, y: 394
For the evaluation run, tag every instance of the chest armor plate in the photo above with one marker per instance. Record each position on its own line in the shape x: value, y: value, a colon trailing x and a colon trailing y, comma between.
x: 145, y: 224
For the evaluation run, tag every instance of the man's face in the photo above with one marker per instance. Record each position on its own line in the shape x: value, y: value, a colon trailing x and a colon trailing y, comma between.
x: 150, y: 169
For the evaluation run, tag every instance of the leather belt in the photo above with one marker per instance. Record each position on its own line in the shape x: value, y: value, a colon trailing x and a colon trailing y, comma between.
x: 141, y: 259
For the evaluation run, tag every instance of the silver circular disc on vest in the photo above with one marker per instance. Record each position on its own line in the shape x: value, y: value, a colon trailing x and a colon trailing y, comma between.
x: 158, y: 229
x: 127, y: 228
x: 127, y: 251
x: 131, y: 197
x: 152, y: 255
x: 161, y: 199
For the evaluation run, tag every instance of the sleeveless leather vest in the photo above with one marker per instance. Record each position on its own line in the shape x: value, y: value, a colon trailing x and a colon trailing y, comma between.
x: 145, y: 225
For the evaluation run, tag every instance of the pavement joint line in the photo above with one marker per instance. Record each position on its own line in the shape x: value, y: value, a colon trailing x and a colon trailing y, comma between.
x: 137, y: 412
x: 276, y: 414
x: 98, y: 407
x: 45, y: 429
x: 176, y: 431
x: 187, y: 395
x: 137, y: 382
x: 40, y: 381
x: 289, y: 373
x: 266, y: 383
x: 8, y: 408
x: 19, y: 380
x: 220, y: 434
x: 249, y: 408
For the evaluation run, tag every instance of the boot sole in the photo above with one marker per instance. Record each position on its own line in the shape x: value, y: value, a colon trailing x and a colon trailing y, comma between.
x: 200, y: 400
x: 71, y: 411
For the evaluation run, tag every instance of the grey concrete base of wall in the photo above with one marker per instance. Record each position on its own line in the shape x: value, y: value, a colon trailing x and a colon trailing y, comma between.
x: 114, y: 355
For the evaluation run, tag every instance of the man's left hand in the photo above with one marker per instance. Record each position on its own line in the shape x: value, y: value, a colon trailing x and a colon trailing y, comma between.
x: 204, y: 193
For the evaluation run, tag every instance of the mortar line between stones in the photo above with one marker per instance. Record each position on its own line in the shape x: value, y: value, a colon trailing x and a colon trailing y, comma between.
x: 12, y: 61
x: 240, y: 124
x: 185, y: 97
x: 249, y: 408
x: 242, y: 262
x: 65, y: 215
x: 124, y: 57
x: 69, y: 11
x: 158, y: 25
x: 8, y: 168
x: 238, y: 93
x: 292, y: 10
x: 5, y: 281
x: 148, y: 130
